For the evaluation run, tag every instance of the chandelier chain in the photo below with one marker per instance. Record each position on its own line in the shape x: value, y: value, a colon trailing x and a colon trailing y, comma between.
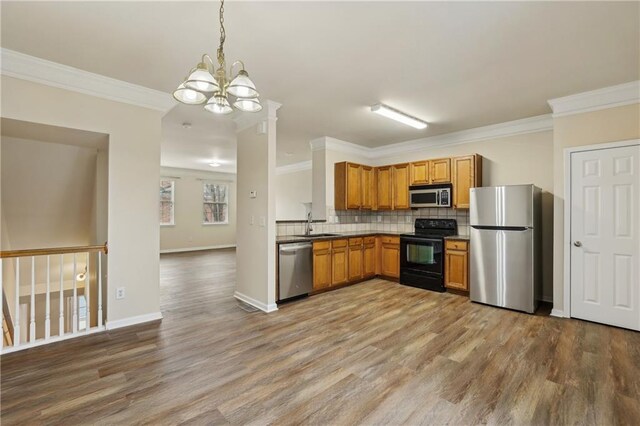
x: 223, y: 36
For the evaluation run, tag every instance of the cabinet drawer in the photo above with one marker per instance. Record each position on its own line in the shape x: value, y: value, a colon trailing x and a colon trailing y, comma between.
x: 338, y: 243
x: 369, y: 240
x: 321, y: 245
x: 389, y: 240
x: 355, y: 241
x: 456, y: 245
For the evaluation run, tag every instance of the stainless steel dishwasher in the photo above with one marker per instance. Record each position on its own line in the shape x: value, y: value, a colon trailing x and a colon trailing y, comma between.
x: 295, y: 264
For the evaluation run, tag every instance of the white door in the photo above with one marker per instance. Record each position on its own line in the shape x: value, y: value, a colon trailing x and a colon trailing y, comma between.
x: 605, y: 247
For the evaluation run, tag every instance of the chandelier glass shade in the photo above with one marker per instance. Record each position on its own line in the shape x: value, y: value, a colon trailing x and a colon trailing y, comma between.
x: 211, y: 84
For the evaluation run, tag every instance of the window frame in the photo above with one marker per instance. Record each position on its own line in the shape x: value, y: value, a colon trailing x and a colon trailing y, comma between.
x: 173, y: 203
x: 204, y: 203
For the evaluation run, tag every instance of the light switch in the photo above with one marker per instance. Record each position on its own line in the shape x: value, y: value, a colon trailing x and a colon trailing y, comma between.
x: 263, y: 221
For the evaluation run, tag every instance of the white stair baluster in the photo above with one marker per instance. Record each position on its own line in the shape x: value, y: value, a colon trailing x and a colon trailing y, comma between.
x: 75, y: 294
x: 99, y: 289
x: 32, y: 306
x: 16, y: 323
x: 1, y: 305
x: 87, y: 294
x: 47, y: 314
x: 61, y: 320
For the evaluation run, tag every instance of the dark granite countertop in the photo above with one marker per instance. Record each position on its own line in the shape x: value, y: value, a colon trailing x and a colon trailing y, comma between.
x: 457, y: 237
x: 293, y: 239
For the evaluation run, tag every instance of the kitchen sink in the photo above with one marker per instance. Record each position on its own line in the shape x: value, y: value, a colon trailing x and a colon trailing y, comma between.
x: 318, y: 235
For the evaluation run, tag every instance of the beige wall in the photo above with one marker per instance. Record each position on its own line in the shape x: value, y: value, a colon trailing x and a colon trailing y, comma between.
x: 293, y: 189
x: 607, y: 125
x: 134, y: 171
x: 189, y: 232
x: 256, y: 239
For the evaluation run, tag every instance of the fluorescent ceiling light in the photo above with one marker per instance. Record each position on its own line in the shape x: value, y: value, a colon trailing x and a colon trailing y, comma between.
x: 214, y: 164
x: 394, y: 114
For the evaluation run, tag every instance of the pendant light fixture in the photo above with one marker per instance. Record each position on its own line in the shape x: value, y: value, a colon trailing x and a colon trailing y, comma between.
x: 210, y: 86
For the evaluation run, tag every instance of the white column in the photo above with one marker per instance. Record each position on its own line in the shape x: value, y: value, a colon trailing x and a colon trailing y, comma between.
x: 75, y: 293
x: 47, y: 314
x: 61, y: 317
x: 16, y: 319
x: 32, y: 306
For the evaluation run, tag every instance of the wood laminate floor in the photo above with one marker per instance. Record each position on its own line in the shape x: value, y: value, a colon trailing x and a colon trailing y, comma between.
x: 373, y: 353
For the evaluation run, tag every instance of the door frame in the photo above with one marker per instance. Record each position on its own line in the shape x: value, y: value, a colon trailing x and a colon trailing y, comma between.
x: 567, y: 211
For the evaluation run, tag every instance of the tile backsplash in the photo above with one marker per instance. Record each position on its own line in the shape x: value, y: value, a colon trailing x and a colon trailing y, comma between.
x: 394, y: 221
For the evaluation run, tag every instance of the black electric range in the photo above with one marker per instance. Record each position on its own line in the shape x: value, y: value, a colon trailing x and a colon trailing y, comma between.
x: 422, y: 253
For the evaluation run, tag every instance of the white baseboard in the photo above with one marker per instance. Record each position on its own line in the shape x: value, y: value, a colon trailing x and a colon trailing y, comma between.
x: 557, y: 313
x: 182, y: 250
x: 42, y: 342
x: 139, y: 319
x: 256, y: 303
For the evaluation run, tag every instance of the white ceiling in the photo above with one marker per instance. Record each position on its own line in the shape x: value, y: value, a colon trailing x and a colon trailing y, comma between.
x: 456, y: 65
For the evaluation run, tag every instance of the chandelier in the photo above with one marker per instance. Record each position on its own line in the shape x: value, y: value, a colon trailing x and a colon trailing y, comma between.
x: 210, y: 86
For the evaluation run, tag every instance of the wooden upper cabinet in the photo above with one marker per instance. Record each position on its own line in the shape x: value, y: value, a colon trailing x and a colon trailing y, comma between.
x: 440, y: 170
x: 347, y: 186
x: 400, y: 186
x: 419, y: 173
x: 368, y: 187
x: 385, y: 191
x: 339, y: 262
x: 456, y: 265
x: 467, y: 174
x: 321, y: 265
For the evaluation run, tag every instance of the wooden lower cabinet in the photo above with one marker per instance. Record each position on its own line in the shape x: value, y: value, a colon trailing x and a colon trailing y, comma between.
x: 355, y: 259
x: 456, y: 265
x: 369, y: 257
x: 390, y: 256
x: 339, y: 262
x: 321, y: 265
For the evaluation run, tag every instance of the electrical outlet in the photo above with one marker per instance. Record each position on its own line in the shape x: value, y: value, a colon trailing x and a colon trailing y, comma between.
x: 120, y: 293
x: 379, y: 218
x: 408, y: 219
x: 357, y: 218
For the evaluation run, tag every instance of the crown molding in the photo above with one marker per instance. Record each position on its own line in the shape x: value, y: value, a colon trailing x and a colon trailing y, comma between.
x: 37, y: 70
x: 293, y: 168
x: 594, y: 100
x: 535, y: 124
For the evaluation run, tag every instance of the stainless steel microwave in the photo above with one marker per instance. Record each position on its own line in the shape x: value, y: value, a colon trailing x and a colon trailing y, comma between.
x: 438, y: 195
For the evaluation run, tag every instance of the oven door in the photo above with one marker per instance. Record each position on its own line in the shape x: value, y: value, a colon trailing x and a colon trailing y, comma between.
x: 423, y: 255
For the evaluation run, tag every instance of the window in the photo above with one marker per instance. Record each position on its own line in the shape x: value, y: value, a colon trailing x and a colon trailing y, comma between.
x: 167, y: 188
x: 215, y: 202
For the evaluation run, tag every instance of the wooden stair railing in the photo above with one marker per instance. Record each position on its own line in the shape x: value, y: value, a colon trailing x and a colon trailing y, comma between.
x: 11, y: 327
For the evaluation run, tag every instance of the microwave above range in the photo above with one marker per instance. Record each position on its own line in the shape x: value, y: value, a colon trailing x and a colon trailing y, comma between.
x: 438, y: 195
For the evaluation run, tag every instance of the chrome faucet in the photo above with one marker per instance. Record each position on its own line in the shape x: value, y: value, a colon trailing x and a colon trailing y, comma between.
x: 309, y: 226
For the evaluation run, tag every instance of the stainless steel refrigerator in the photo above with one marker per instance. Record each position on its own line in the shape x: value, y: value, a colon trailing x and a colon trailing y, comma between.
x: 505, y: 246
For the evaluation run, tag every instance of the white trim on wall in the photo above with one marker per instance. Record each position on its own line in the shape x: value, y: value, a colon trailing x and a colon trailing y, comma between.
x: 26, y: 67
x: 187, y: 249
x: 566, y: 284
x: 138, y: 319
x: 594, y: 100
x: 255, y: 303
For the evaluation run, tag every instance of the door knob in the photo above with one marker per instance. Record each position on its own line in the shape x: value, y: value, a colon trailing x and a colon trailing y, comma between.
x: 577, y: 244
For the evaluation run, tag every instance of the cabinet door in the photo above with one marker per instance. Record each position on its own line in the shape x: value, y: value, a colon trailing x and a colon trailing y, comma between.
x: 368, y: 187
x: 321, y: 265
x: 390, y: 257
x: 467, y: 174
x: 457, y: 270
x: 440, y: 170
x: 419, y: 173
x: 369, y: 259
x: 354, y: 186
x: 401, y: 186
x: 355, y: 259
x: 339, y: 262
x: 385, y: 191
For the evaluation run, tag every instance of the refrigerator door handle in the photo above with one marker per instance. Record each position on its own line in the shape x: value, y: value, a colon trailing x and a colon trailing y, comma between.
x: 501, y: 228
